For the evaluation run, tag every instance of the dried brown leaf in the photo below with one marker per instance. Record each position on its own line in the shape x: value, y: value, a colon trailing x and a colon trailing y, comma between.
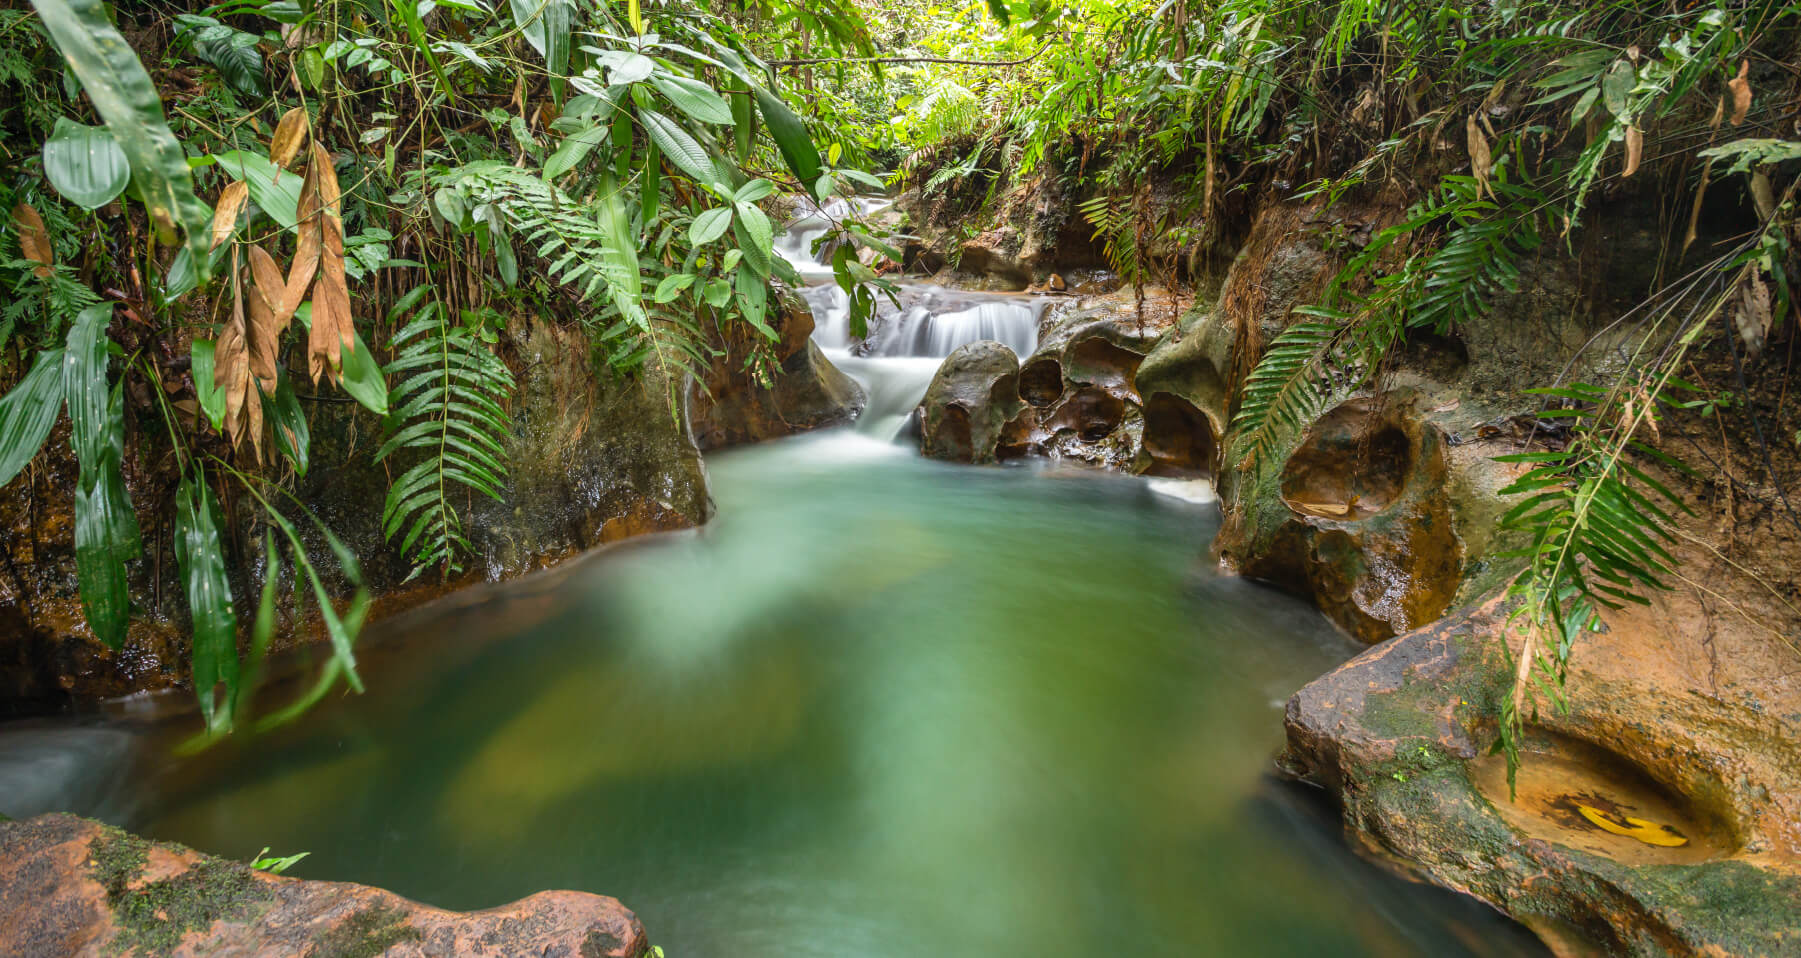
x: 34, y: 239
x: 1481, y: 161
x: 231, y: 205
x: 231, y: 365
x: 1740, y: 87
x: 1753, y: 315
x: 333, y: 333
x: 306, y: 251
x: 271, y: 289
x: 1694, y: 210
x: 289, y: 134
x: 1635, y: 149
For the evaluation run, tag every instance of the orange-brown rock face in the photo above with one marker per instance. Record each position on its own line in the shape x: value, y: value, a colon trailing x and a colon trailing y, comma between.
x: 803, y: 390
x: 73, y: 887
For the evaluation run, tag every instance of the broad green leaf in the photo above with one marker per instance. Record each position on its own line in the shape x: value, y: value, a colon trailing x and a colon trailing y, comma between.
x: 84, y: 164
x: 619, y: 264
x: 1616, y: 88
x: 106, y: 530
x: 276, y: 191
x: 790, y: 136
x: 744, y: 121
x: 678, y: 146
x: 672, y: 286
x: 125, y: 98
x: 753, y: 301
x: 200, y: 554
x: 362, y: 379
x: 573, y: 150
x: 693, y: 98
x: 212, y: 398
x: 755, y: 237
x: 28, y: 412
x: 717, y: 293
x: 753, y: 191
x: 233, y: 53
x: 710, y: 225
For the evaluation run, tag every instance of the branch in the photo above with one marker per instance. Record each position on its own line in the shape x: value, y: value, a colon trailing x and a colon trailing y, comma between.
x: 965, y: 63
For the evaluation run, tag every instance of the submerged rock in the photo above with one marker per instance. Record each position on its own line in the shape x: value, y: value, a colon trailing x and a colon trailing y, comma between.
x: 74, y: 887
x: 973, y: 396
x: 804, y: 391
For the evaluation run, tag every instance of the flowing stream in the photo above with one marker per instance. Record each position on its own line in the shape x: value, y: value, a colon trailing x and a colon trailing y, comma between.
x: 881, y: 707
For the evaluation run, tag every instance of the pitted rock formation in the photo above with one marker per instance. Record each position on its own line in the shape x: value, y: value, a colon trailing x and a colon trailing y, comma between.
x: 71, y: 887
x: 805, y: 391
x: 1359, y: 520
x: 1700, y: 795
x: 973, y: 396
x: 1080, y: 387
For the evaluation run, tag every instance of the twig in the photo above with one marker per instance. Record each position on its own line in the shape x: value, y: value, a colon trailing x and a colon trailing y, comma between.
x: 950, y: 60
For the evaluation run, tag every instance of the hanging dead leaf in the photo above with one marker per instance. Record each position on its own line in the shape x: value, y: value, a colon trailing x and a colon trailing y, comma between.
x: 289, y: 134
x: 1740, y: 86
x: 306, y: 252
x: 231, y: 365
x: 34, y: 239
x: 1719, y: 115
x: 231, y: 206
x: 1753, y: 314
x: 1635, y: 149
x: 333, y: 333
x: 1481, y: 161
x: 1694, y: 210
x: 264, y: 341
x: 270, y: 288
x: 1763, y: 195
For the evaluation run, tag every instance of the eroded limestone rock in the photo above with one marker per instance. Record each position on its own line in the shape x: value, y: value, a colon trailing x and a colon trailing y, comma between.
x: 1358, y: 518
x: 72, y: 887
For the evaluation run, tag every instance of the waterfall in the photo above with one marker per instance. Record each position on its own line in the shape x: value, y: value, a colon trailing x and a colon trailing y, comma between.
x: 909, y: 336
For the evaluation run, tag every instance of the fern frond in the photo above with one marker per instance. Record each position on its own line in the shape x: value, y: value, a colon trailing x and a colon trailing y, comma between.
x: 448, y: 407
x: 1287, y: 388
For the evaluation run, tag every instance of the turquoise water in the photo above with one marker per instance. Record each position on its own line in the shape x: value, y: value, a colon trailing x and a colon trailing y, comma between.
x: 880, y: 707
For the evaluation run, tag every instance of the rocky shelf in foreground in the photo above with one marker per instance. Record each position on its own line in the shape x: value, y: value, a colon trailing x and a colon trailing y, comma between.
x: 74, y: 887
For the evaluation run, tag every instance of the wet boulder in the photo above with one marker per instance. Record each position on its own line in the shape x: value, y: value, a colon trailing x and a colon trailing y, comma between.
x: 74, y: 887
x: 737, y: 402
x: 973, y: 396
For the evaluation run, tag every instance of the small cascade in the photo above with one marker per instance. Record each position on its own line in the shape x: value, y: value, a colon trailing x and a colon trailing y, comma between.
x: 907, y: 338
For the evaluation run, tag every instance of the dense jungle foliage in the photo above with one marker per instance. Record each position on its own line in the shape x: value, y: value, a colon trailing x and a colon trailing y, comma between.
x: 401, y: 176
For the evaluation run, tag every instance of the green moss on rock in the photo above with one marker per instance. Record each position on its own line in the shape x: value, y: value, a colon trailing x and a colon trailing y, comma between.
x: 365, y: 934
x: 152, y: 918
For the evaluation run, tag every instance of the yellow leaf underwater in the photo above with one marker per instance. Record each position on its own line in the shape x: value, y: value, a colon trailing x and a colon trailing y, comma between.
x: 1651, y: 833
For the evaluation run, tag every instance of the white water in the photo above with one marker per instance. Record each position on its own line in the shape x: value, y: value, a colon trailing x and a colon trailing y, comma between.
x: 907, y: 340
